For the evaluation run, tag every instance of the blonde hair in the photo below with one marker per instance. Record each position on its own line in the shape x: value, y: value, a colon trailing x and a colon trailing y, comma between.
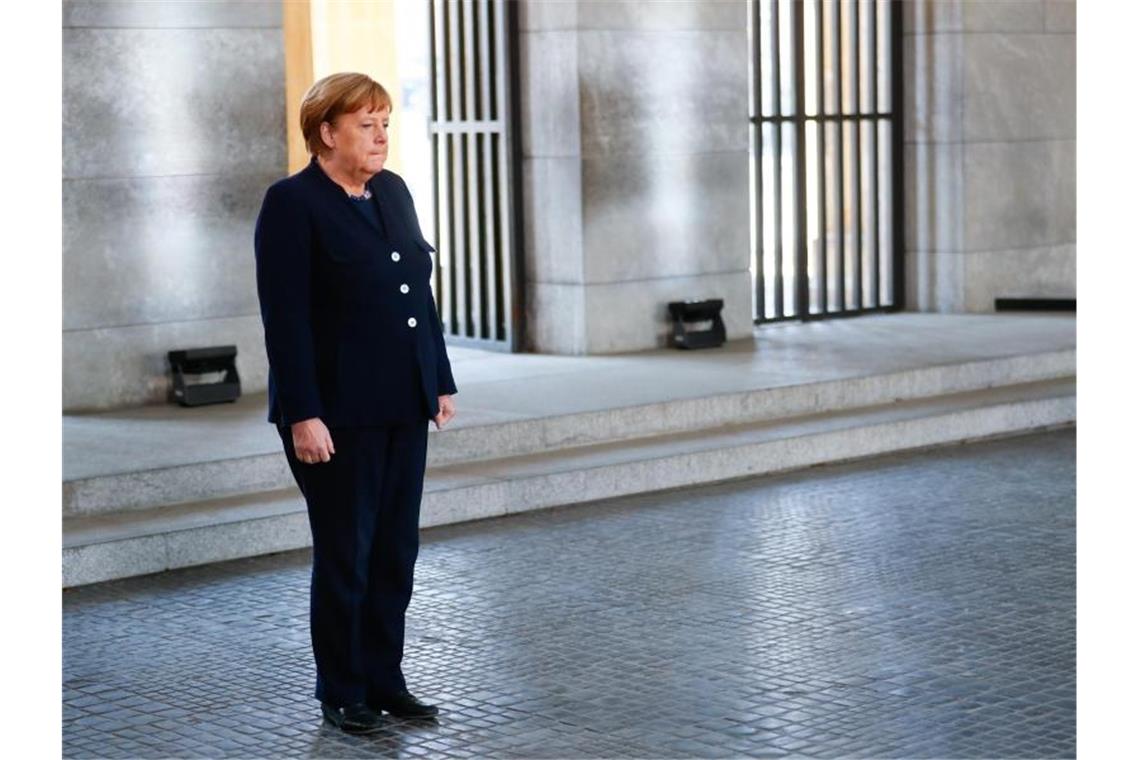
x: 334, y: 95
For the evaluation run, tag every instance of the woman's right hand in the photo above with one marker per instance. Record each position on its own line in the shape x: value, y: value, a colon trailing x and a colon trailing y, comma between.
x: 312, y: 441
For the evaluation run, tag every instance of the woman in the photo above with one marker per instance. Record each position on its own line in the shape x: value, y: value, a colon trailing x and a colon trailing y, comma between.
x: 357, y: 368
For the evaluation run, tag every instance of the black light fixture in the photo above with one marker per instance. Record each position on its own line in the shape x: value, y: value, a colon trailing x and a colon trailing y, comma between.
x: 1035, y: 304
x: 200, y: 361
x: 684, y: 312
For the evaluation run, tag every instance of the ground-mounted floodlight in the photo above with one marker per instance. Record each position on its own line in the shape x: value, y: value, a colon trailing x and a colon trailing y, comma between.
x: 687, y: 312
x: 205, y: 361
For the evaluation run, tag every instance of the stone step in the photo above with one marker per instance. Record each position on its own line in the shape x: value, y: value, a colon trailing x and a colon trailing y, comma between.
x: 199, y: 481
x: 129, y: 543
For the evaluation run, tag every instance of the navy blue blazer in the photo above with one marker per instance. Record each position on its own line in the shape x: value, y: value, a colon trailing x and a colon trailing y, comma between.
x: 351, y: 328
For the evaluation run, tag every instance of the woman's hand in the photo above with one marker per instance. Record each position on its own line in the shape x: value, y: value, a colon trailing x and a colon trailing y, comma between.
x: 446, y: 411
x: 312, y: 442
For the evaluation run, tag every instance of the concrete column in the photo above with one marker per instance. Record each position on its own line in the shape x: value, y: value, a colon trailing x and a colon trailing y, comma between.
x: 635, y: 168
x: 173, y: 126
x: 990, y: 133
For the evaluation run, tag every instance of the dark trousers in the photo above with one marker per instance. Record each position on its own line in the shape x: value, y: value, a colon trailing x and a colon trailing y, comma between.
x: 364, y: 510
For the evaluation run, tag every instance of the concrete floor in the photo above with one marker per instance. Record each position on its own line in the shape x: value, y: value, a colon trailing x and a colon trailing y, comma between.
x: 496, y: 387
x: 918, y: 605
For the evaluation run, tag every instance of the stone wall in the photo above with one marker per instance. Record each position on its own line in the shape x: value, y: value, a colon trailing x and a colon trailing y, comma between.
x: 635, y: 180
x: 990, y: 152
x: 635, y: 168
x: 173, y: 126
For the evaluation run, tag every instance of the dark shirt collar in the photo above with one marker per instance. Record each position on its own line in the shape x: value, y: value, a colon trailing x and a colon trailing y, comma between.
x: 373, y: 183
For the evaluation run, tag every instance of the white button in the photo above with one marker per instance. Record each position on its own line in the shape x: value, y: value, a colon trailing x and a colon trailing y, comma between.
x: 411, y: 321
x: 404, y: 287
x: 395, y: 255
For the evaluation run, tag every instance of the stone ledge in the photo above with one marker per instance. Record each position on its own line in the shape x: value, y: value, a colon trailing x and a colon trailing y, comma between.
x: 243, y: 475
x: 97, y: 549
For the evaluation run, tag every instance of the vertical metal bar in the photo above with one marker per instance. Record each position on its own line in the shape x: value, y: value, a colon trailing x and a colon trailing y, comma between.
x: 821, y: 158
x: 851, y: 191
x: 874, y: 62
x: 459, y: 253
x: 506, y: 32
x: 897, y: 206
x: 883, y: 35
x: 841, y: 161
x: 439, y: 59
x: 777, y: 166
x: 444, y: 210
x: 474, y: 269
x: 801, y: 306
x: 433, y: 134
x: 857, y: 155
x: 474, y: 75
x: 442, y: 206
x: 433, y: 47
x: 486, y: 220
x: 757, y: 160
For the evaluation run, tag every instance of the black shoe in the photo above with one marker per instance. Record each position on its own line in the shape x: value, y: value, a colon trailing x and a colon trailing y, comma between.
x: 404, y: 705
x: 354, y: 719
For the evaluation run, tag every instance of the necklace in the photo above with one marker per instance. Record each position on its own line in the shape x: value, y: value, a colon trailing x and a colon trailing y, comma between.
x: 366, y: 196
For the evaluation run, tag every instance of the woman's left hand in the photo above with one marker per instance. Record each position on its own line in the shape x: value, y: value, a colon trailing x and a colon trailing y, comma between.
x: 446, y: 411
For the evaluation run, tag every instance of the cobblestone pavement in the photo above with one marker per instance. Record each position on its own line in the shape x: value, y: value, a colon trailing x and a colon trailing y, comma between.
x: 916, y: 605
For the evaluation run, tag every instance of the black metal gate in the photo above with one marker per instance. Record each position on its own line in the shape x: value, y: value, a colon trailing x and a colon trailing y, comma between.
x: 475, y: 158
x: 827, y: 234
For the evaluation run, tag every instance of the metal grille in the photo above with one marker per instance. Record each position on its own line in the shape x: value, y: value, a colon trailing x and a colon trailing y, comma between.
x: 475, y: 159
x: 827, y: 234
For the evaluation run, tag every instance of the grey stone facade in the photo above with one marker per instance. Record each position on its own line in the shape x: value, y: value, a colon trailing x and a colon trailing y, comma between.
x: 635, y: 168
x: 635, y: 181
x: 636, y: 149
x: 990, y: 155
x: 173, y: 125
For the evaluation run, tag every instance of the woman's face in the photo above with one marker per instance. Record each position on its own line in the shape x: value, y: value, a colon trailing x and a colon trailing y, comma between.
x: 360, y: 140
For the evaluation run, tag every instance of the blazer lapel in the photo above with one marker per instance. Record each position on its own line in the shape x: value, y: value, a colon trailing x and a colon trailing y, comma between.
x: 381, y: 198
x: 371, y: 221
x: 334, y: 189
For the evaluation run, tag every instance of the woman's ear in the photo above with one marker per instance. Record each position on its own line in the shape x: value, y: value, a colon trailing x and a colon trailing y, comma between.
x: 327, y: 135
